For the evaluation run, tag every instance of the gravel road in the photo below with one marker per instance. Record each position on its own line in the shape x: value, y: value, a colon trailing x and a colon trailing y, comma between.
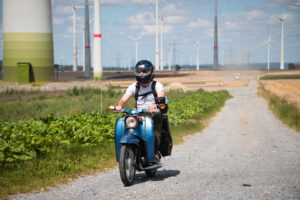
x: 245, y: 153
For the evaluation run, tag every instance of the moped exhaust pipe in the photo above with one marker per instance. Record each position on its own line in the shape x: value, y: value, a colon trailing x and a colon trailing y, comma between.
x: 155, y: 166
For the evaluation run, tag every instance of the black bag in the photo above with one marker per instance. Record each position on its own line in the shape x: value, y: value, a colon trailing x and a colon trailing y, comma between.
x: 166, y: 143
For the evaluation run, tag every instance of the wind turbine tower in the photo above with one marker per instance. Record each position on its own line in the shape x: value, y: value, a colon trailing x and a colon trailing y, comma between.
x: 216, y: 37
x: 197, y: 63
x: 97, y: 42
x: 169, y: 58
x: 161, y: 45
x: 282, y: 36
x: 27, y: 38
x: 87, y: 49
x: 156, y: 39
x: 268, y: 42
x: 74, y: 40
x: 136, y: 45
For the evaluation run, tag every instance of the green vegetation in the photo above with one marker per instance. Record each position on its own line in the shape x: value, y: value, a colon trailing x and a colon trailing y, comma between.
x: 273, y: 77
x: 76, y: 101
x: 46, y: 150
x: 285, y: 111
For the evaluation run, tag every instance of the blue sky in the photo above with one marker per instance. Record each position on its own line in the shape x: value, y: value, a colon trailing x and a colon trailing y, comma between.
x: 243, y: 27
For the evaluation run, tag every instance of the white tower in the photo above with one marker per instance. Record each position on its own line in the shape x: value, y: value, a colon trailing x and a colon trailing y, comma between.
x: 97, y: 42
x: 169, y: 59
x: 268, y: 42
x: 282, y: 37
x: 197, y: 56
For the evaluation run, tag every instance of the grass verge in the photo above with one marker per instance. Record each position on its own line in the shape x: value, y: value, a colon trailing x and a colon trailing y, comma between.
x: 285, y: 111
x: 275, y: 77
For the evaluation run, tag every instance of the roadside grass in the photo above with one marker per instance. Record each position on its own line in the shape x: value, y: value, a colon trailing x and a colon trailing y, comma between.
x: 64, y: 164
x: 285, y: 111
x: 60, y: 166
x: 75, y: 101
x: 276, y: 77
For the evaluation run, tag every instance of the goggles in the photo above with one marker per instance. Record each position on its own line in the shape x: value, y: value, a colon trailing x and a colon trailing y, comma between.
x: 142, y: 70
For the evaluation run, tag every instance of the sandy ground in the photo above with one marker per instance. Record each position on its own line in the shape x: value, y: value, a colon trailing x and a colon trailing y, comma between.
x: 288, y: 89
x: 196, y: 79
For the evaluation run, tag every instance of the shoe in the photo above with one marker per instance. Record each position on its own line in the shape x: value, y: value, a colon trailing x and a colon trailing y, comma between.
x: 157, y: 157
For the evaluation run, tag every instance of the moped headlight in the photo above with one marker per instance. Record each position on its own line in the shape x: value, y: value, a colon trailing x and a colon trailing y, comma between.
x: 131, y: 122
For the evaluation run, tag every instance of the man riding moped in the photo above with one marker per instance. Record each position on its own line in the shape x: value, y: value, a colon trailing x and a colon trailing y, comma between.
x: 151, y: 104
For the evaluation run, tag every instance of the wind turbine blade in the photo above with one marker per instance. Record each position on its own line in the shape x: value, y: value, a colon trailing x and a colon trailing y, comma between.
x: 291, y: 4
x: 142, y: 34
x: 280, y: 18
x: 285, y: 16
x: 132, y: 38
x: 269, y: 40
x: 264, y: 42
x: 164, y: 2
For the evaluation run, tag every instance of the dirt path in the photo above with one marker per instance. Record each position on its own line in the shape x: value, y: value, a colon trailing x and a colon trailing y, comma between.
x: 245, y: 153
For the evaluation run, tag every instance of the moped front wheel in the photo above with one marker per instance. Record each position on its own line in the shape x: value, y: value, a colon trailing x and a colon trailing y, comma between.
x: 126, y: 167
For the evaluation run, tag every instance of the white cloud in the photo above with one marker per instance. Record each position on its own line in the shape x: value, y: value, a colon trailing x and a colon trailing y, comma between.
x: 142, y: 2
x: 57, y: 21
x: 276, y: 3
x: 112, y: 2
x: 175, y: 19
x: 151, y: 29
x: 254, y: 15
x: 63, y: 10
x: 200, y: 23
x: 142, y: 18
x: 171, y: 9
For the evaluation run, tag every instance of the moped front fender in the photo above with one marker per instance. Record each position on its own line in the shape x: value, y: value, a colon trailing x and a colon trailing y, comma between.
x: 130, y: 139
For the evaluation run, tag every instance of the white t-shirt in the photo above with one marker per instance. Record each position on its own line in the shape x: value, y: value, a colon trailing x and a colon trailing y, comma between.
x: 148, y: 100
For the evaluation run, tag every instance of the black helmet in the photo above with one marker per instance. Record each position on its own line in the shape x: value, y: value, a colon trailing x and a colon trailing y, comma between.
x: 144, y: 71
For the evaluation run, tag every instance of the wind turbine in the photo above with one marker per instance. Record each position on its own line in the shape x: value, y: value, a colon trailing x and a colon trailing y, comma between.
x: 136, y: 45
x: 268, y: 42
x: 161, y: 45
x: 197, y: 57
x: 87, y: 44
x: 282, y: 18
x: 156, y: 38
x: 216, y: 58
x: 169, y: 58
x: 97, y: 42
x: 74, y: 40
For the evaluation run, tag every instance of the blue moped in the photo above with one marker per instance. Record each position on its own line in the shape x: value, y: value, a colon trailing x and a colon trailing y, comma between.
x: 135, y: 144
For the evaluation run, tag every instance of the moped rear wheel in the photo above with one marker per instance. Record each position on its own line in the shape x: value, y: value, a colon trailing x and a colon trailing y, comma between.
x: 126, y: 167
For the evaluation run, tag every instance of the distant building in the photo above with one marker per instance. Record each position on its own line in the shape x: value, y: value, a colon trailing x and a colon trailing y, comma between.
x: 293, y: 66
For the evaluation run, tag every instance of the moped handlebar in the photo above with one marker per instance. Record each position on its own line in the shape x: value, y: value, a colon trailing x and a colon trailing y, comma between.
x: 134, y: 111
